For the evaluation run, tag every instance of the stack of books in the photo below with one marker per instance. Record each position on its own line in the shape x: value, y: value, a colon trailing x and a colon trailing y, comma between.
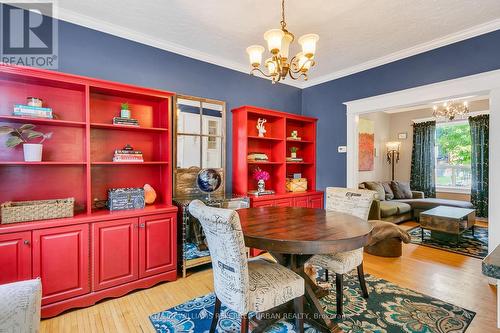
x: 125, y: 121
x: 21, y: 110
x: 294, y: 159
x: 125, y: 155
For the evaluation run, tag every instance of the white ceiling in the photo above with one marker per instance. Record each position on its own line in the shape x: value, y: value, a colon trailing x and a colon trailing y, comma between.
x: 354, y: 35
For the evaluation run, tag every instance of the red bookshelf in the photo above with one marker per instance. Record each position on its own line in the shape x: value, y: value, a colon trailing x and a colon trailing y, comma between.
x: 136, y: 248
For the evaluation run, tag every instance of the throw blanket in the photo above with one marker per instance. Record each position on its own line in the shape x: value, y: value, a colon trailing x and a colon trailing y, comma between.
x: 384, y: 230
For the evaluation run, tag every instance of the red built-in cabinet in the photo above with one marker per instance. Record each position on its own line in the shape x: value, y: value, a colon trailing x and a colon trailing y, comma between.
x: 276, y: 144
x: 97, y: 253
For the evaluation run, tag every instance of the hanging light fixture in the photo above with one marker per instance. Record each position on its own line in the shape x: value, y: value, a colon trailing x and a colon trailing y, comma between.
x: 451, y: 110
x: 279, y: 66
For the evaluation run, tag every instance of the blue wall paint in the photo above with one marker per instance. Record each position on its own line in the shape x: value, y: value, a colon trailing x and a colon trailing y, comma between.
x: 324, y: 101
x: 92, y: 53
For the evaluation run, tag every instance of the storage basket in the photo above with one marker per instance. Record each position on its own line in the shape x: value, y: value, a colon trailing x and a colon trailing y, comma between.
x: 296, y: 184
x: 24, y: 211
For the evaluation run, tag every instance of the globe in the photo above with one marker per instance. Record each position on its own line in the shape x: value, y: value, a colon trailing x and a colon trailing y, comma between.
x: 208, y: 180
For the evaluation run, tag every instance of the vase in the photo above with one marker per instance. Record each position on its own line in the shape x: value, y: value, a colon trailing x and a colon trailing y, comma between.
x: 294, y: 155
x: 261, y: 186
x: 32, y: 152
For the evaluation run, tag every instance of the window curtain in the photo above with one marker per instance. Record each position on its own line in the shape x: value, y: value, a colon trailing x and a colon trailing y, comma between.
x: 479, y: 132
x: 423, y: 163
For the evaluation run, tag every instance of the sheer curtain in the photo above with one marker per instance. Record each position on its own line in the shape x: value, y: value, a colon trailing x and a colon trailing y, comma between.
x: 423, y: 163
x: 479, y: 132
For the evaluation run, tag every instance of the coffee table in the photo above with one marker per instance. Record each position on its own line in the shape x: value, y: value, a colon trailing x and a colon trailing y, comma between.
x: 447, y: 223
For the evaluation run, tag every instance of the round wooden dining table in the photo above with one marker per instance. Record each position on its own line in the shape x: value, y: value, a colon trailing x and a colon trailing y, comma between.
x: 292, y: 235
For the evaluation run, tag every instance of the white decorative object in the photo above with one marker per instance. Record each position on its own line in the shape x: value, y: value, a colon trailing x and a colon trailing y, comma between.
x: 240, y: 284
x: 32, y: 152
x: 260, y: 127
x: 20, y: 304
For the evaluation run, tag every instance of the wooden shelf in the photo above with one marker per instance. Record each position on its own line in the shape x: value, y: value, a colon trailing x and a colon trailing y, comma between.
x: 41, y: 163
x: 127, y: 128
x: 52, y: 122
x: 131, y: 163
x: 264, y: 162
x: 304, y: 163
x: 253, y: 137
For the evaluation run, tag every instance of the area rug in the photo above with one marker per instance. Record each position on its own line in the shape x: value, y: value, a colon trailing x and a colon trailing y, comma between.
x: 389, y: 309
x: 476, y: 246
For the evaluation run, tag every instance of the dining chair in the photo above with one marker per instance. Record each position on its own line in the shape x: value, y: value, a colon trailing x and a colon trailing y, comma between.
x: 353, y: 202
x: 244, y: 285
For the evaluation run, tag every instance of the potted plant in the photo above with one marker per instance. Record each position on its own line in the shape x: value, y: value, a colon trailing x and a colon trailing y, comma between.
x: 125, y: 110
x: 23, y: 135
x: 261, y: 177
x: 293, y: 152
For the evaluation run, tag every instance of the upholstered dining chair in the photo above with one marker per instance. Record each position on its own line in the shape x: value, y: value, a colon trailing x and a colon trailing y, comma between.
x: 243, y: 285
x: 354, y: 202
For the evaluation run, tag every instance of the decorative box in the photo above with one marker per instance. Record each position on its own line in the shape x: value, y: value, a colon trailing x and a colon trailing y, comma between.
x: 125, y: 198
x: 296, y: 185
x: 24, y: 211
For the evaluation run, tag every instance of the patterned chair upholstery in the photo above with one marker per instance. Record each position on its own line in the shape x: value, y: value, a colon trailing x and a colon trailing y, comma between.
x: 20, y: 304
x: 242, y: 285
x: 357, y: 203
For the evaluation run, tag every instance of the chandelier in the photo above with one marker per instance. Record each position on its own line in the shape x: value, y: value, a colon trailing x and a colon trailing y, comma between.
x: 451, y: 110
x: 278, y: 42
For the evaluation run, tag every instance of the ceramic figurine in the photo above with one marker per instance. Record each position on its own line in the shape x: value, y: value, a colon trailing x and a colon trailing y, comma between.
x: 260, y: 126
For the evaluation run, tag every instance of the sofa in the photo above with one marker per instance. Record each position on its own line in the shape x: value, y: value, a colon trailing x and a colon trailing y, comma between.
x: 406, y: 206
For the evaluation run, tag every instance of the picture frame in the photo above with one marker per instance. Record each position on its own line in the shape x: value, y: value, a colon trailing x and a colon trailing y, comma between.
x: 403, y: 136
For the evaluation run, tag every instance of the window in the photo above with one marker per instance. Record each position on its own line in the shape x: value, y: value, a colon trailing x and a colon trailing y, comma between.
x: 453, y: 155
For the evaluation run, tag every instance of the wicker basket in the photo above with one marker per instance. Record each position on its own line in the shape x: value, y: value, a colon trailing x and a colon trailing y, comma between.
x: 23, y: 211
x: 296, y: 184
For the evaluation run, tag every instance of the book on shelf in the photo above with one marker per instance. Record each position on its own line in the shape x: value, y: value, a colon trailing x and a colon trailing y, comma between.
x: 294, y: 159
x: 291, y: 138
x: 125, y: 121
x: 32, y: 111
x: 126, y: 151
x: 257, y: 157
x: 128, y: 158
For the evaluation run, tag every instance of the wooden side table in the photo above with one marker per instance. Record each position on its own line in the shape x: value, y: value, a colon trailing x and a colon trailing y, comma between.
x: 447, y: 223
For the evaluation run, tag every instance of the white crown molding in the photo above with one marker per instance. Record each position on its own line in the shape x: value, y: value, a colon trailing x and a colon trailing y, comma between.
x: 414, y: 50
x: 130, y: 34
x: 124, y: 32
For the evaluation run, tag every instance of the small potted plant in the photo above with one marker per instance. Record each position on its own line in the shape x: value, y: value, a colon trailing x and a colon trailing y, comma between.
x: 23, y: 135
x: 293, y: 152
x: 125, y: 110
x: 261, y: 177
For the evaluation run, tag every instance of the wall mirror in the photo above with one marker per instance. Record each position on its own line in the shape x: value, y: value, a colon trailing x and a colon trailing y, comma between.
x: 199, y: 141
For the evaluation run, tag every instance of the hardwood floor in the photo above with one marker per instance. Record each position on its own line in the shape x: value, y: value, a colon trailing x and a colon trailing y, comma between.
x: 447, y: 276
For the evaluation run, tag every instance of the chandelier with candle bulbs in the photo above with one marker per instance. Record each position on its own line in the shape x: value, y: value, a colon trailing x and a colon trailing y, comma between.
x: 451, y: 110
x: 279, y: 66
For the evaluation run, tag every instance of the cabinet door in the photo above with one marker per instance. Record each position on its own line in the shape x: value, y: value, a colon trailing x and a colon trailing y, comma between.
x: 115, y: 251
x: 301, y: 201
x: 265, y: 203
x: 284, y: 203
x: 157, y: 244
x: 316, y: 201
x: 15, y: 257
x: 61, y: 260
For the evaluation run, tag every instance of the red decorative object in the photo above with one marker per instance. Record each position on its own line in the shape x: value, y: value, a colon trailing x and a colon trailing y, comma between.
x: 276, y: 144
x: 259, y: 174
x: 96, y: 254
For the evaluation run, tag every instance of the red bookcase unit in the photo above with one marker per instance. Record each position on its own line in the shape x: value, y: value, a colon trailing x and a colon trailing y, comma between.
x: 89, y: 248
x: 276, y: 145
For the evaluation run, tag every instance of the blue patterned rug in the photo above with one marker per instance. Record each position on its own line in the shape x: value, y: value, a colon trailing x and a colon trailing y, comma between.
x: 192, y: 252
x: 390, y: 309
x: 473, y: 246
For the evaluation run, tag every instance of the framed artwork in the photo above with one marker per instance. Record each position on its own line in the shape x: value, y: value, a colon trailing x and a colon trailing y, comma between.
x: 366, y: 129
x: 402, y: 136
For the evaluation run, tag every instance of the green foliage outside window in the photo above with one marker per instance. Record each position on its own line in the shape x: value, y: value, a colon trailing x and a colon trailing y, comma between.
x: 454, y: 143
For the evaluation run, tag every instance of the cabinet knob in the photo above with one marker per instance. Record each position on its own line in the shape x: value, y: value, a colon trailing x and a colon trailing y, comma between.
x: 142, y: 225
x: 26, y: 242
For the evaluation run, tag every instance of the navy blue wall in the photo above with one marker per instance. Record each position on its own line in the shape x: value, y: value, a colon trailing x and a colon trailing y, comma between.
x: 324, y: 101
x: 92, y: 53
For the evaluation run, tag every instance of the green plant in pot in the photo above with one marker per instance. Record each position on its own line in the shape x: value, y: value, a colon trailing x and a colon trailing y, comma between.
x: 24, y: 135
x: 293, y: 152
x: 125, y: 110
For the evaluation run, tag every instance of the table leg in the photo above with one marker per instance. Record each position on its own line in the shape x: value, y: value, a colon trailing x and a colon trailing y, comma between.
x: 422, y: 234
x: 473, y: 229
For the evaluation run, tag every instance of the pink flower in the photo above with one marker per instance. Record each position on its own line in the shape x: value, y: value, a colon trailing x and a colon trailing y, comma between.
x: 259, y: 174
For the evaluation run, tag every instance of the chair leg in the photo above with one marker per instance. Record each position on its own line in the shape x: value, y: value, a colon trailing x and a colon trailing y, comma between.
x: 339, y: 284
x: 362, y: 282
x: 326, y: 275
x: 215, y: 319
x: 298, y: 305
x: 244, y: 323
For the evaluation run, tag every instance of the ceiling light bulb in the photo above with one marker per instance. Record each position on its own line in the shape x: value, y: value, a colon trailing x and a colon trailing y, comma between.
x: 273, y: 38
x: 255, y: 54
x: 308, y: 43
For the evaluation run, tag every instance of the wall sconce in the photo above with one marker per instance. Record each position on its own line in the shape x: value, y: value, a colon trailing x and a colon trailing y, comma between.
x: 393, y: 154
